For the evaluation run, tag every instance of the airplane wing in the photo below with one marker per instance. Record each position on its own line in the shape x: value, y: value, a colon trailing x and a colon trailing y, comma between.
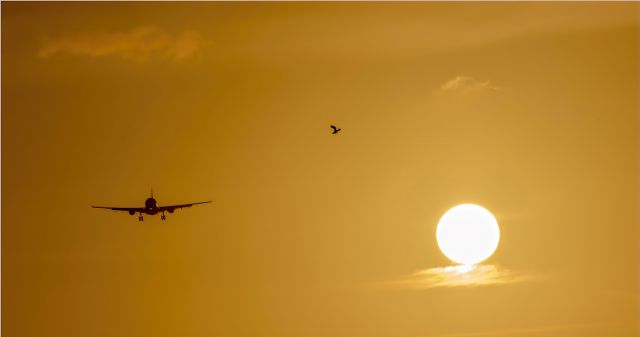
x: 172, y: 208
x: 131, y: 210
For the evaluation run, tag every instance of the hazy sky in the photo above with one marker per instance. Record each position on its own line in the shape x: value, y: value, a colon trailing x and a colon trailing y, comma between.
x: 530, y: 110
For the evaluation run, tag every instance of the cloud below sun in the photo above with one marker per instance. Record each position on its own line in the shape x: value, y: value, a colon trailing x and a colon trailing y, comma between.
x: 458, y: 276
x: 137, y: 44
x: 466, y: 84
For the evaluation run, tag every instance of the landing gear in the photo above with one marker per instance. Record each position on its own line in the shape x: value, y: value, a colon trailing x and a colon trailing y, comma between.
x: 140, y: 217
x: 163, y: 217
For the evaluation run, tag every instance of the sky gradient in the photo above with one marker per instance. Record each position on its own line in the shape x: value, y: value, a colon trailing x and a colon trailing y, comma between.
x: 529, y: 109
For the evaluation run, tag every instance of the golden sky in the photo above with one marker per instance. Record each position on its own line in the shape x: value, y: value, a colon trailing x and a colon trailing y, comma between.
x: 528, y: 109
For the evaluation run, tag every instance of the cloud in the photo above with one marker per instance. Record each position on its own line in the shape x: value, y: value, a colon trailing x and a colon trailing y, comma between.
x: 531, y: 330
x: 466, y: 84
x: 458, y: 276
x: 137, y: 44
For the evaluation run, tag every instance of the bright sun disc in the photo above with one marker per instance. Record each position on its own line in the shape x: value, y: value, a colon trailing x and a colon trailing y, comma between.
x: 468, y: 234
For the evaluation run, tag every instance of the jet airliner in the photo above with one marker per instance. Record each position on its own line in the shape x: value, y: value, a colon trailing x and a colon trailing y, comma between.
x: 151, y: 207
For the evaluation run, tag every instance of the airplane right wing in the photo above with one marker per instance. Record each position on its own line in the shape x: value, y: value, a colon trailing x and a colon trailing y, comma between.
x: 131, y: 210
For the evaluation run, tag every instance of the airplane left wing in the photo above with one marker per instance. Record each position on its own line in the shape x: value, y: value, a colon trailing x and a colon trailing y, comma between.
x: 172, y: 208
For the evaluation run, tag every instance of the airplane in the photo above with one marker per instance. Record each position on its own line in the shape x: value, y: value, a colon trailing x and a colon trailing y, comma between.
x: 151, y: 207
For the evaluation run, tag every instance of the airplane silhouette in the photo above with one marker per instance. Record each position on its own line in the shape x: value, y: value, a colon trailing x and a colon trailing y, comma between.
x: 335, y: 129
x: 151, y: 207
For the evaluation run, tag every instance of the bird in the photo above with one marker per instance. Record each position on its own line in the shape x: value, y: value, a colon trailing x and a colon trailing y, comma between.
x: 335, y: 129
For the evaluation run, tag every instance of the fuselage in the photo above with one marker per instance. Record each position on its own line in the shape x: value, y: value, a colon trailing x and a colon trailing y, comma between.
x: 151, y: 206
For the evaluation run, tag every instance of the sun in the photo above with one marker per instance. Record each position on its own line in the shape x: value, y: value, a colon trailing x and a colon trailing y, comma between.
x: 468, y: 234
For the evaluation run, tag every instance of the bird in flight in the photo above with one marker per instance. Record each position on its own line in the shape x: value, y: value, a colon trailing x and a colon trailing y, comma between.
x: 151, y: 207
x: 335, y: 129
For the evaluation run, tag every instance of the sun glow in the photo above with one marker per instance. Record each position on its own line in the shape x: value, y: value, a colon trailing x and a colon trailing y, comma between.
x: 468, y: 234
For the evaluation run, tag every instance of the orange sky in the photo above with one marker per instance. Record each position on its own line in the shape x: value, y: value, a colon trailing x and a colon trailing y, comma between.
x: 530, y: 110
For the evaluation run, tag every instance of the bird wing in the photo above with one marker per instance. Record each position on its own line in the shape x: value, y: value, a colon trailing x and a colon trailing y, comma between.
x: 174, y: 207
x: 334, y: 127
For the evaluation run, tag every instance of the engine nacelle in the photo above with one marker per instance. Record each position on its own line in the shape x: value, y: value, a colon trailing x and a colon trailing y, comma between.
x: 132, y: 212
x: 170, y: 210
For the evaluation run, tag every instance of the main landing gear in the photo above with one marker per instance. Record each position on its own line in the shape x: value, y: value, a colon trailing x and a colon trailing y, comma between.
x: 163, y: 217
x: 140, y: 218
